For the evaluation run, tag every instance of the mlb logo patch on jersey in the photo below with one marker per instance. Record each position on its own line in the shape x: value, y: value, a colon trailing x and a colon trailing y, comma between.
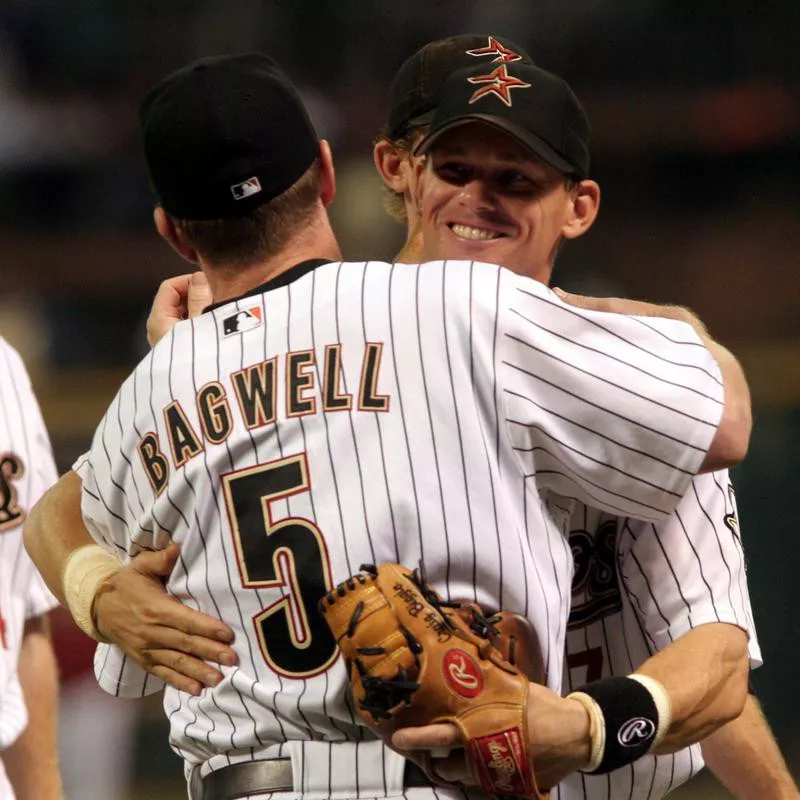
x: 244, y: 320
x: 245, y: 189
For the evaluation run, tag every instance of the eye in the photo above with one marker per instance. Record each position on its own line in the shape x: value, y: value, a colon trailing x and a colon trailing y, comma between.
x: 516, y: 182
x: 454, y: 172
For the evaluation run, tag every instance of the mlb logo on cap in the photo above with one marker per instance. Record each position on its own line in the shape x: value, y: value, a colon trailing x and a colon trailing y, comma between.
x: 249, y: 187
x: 244, y: 320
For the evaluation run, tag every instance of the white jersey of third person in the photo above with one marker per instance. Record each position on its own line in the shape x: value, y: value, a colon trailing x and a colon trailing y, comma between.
x: 639, y: 586
x: 447, y: 413
x: 27, y: 469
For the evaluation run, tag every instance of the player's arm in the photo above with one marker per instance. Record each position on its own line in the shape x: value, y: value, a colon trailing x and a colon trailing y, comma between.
x: 666, y: 705
x: 732, y: 437
x: 686, y: 580
x: 131, y: 608
x: 705, y: 676
x: 745, y: 757
x: 31, y: 763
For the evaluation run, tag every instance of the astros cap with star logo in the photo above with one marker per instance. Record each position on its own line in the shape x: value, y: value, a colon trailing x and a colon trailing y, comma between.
x: 415, y: 89
x: 535, y: 107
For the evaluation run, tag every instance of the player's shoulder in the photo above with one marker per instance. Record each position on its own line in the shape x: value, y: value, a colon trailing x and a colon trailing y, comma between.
x: 453, y: 273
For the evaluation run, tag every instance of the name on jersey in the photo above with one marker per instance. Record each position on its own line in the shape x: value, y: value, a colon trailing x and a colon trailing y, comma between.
x: 308, y: 387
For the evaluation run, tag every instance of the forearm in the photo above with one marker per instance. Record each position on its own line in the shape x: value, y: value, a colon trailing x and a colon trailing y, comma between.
x: 32, y: 761
x: 54, y: 529
x: 705, y: 675
x: 745, y: 757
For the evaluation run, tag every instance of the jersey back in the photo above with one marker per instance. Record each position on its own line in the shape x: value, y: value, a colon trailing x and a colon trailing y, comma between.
x: 365, y: 413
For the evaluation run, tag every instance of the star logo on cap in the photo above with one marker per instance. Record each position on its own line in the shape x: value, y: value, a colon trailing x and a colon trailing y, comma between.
x: 497, y: 82
x: 494, y: 48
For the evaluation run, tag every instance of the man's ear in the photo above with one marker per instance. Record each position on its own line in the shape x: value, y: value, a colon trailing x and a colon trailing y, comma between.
x: 174, y: 236
x: 389, y: 163
x: 327, y: 173
x: 585, y: 202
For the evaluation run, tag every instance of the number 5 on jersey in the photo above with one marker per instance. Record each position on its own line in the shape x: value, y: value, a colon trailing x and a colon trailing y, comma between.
x: 290, y: 554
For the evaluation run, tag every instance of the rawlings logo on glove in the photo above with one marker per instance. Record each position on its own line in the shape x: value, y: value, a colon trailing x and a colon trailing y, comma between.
x: 414, y: 660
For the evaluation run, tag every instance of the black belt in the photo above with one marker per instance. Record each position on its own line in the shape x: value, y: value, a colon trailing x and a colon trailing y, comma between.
x: 272, y: 775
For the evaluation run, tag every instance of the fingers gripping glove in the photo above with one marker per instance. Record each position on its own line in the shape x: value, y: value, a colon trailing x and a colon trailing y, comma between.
x: 412, y: 660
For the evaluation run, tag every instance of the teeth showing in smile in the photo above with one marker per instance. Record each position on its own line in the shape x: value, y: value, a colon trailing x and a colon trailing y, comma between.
x: 468, y: 232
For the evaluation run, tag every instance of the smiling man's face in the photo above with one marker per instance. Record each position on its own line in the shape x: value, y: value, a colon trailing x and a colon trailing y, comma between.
x: 485, y: 197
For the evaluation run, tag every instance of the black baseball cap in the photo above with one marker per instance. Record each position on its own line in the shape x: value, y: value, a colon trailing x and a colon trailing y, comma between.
x: 415, y: 89
x: 535, y: 107
x: 224, y: 135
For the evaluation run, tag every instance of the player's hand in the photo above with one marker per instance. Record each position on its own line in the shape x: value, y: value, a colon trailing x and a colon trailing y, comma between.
x: 635, y: 308
x: 178, y: 298
x: 173, y: 642
x: 558, y: 732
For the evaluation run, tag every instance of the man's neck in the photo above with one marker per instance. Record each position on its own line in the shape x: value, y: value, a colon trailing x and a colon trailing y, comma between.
x: 228, y: 282
x: 412, y: 249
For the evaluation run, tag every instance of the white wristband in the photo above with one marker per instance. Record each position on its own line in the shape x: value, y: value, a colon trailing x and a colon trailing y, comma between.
x: 86, y: 570
x: 597, y: 729
x: 663, y: 704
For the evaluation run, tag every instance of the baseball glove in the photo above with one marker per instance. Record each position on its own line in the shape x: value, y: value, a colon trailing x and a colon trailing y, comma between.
x: 512, y: 634
x: 413, y: 660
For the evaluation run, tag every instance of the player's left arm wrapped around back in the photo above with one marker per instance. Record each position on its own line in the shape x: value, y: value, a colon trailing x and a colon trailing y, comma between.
x: 415, y: 660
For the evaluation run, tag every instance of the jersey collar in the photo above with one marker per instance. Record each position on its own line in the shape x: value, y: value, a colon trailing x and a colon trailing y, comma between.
x: 284, y: 279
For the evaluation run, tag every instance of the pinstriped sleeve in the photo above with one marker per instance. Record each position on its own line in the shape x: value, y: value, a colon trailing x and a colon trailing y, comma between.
x: 689, y: 569
x: 616, y: 411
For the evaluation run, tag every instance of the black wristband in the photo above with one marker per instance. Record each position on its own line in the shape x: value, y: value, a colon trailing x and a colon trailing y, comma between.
x: 631, y: 720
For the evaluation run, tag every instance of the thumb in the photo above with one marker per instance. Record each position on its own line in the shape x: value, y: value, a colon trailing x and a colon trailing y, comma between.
x: 199, y: 295
x: 157, y: 564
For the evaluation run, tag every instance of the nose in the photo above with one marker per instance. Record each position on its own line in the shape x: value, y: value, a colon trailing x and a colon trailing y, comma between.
x: 477, y: 194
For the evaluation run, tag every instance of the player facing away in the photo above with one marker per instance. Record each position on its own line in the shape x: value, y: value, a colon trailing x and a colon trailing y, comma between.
x: 377, y: 412
x: 28, y: 673
x: 637, y: 587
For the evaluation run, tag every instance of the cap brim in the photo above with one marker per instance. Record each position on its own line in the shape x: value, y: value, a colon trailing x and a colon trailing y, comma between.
x: 525, y: 137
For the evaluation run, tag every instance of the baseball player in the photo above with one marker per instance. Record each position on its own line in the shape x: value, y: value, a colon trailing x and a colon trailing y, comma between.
x: 28, y: 678
x: 283, y: 456
x: 689, y: 573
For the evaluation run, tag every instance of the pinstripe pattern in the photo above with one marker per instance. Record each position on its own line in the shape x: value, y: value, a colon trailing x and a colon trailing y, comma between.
x: 28, y: 469
x: 487, y: 385
x: 655, y: 583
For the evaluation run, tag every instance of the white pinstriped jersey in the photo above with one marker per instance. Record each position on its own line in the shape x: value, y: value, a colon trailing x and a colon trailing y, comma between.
x: 27, y: 469
x: 352, y: 413
x: 639, y: 586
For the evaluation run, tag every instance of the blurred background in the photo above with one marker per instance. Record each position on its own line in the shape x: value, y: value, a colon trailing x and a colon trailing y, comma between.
x: 696, y: 116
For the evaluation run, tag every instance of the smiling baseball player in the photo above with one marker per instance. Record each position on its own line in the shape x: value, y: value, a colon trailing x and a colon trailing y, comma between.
x: 683, y: 572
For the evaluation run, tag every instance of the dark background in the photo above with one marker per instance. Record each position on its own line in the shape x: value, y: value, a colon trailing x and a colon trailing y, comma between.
x: 696, y: 118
